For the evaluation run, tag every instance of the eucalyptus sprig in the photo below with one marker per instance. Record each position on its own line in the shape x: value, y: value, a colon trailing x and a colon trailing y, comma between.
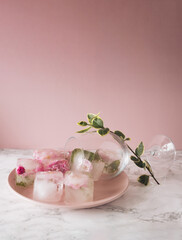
x: 94, y: 121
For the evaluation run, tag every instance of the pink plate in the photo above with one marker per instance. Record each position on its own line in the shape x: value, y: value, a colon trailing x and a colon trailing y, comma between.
x: 105, y: 191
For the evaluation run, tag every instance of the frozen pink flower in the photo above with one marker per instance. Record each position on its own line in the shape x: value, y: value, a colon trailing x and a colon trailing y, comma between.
x: 86, y: 166
x: 20, y: 170
x: 59, y: 165
x: 76, y: 180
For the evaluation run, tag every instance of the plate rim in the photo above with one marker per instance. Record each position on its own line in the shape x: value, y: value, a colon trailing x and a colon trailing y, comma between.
x: 70, y: 206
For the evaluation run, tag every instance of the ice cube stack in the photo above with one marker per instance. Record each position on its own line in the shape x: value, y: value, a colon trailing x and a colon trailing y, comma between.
x: 43, y: 160
x: 60, y: 176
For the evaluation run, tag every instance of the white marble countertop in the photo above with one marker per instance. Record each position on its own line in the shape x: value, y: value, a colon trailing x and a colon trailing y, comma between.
x: 152, y: 212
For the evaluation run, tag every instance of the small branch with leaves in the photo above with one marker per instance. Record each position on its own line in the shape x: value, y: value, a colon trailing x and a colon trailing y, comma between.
x: 94, y: 121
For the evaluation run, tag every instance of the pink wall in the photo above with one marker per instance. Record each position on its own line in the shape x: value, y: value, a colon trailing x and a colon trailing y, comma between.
x: 61, y: 59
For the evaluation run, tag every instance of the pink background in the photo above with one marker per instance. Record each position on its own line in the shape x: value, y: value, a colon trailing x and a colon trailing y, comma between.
x: 60, y: 59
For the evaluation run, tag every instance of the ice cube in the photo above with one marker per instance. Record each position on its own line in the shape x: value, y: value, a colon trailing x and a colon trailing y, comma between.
x: 50, y: 156
x: 48, y: 186
x: 98, y: 167
x: 79, y: 188
x: 79, y: 163
x: 26, y: 170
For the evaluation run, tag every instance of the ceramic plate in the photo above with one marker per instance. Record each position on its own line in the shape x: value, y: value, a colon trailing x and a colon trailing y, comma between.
x: 105, y: 191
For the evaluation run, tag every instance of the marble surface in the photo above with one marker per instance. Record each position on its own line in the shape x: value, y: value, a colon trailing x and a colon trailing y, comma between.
x: 152, y: 212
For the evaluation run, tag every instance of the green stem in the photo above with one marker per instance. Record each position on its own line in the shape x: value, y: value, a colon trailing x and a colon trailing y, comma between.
x: 152, y: 175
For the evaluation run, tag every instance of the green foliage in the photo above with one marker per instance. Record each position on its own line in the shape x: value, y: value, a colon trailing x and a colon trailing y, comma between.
x: 127, y: 139
x: 113, y: 167
x: 133, y: 158
x: 76, y: 153
x: 92, y: 156
x: 120, y: 134
x: 89, y: 155
x: 138, y: 162
x: 147, y: 165
x: 140, y: 149
x: 97, y: 122
x: 97, y: 157
x: 90, y: 116
x: 144, y: 179
x: 103, y: 131
x: 84, y: 130
x: 82, y: 123
x: 21, y: 184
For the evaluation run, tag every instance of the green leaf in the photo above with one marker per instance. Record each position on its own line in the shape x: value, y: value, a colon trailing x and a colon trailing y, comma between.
x: 97, y: 157
x: 127, y: 139
x: 133, y: 158
x: 21, y: 184
x: 97, y: 122
x: 140, y: 149
x: 113, y: 167
x: 148, y: 166
x: 90, y: 116
x: 82, y: 123
x: 138, y: 162
x: 144, y: 179
x: 120, y: 134
x: 76, y: 153
x: 89, y: 155
x: 84, y: 130
x: 103, y: 131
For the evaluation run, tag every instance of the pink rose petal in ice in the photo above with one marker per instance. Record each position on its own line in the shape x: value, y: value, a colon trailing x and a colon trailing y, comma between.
x: 59, y: 165
x: 86, y: 166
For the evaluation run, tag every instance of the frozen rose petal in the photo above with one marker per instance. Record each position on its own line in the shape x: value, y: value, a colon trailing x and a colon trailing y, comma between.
x: 59, y: 165
x: 86, y: 166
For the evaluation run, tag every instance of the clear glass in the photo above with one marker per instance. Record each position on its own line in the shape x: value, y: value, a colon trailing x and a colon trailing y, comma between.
x: 113, y: 152
x: 161, y: 154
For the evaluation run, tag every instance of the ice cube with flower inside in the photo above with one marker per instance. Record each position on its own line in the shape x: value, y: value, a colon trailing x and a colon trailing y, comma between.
x: 87, y: 162
x: 59, y: 165
x: 97, y: 164
x: 48, y: 186
x: 79, y: 163
x: 112, y: 160
x: 53, y: 160
x: 43, y: 154
x: 26, y: 170
x: 79, y: 188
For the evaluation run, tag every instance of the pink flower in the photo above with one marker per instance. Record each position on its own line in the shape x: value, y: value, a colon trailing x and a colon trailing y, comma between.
x: 20, y: 170
x: 59, y: 165
x: 86, y: 166
x: 76, y: 180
